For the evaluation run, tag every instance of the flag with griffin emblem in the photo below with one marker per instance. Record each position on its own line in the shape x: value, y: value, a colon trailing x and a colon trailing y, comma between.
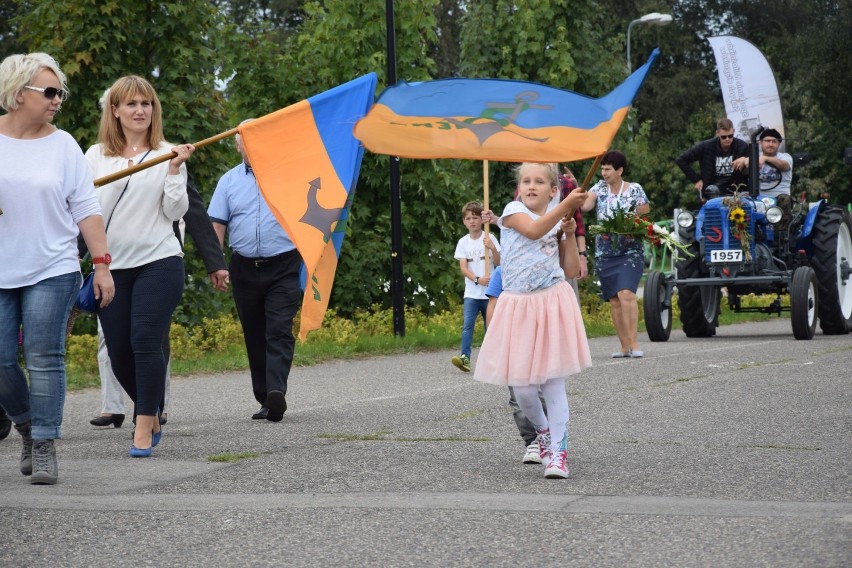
x: 306, y: 162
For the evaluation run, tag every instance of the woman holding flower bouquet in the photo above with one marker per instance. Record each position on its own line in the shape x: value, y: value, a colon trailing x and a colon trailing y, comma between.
x: 619, y: 249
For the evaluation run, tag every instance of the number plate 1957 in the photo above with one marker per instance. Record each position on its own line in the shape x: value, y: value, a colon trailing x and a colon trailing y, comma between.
x: 726, y: 256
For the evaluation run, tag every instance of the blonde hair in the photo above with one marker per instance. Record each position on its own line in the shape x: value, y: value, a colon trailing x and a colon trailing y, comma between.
x: 17, y: 71
x: 110, y: 133
x: 552, y: 172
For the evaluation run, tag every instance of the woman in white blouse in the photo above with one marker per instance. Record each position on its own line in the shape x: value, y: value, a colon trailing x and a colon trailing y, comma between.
x: 147, y: 260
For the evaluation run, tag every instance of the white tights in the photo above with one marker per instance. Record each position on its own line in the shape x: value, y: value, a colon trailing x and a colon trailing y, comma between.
x: 557, y: 410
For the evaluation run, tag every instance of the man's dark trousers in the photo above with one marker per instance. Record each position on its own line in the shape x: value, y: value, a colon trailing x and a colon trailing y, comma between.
x: 267, y: 295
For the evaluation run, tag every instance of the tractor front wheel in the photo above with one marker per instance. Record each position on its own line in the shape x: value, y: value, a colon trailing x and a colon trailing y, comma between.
x: 804, y: 298
x: 699, y: 305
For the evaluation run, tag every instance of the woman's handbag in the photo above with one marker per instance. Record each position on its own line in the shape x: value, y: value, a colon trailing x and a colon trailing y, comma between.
x: 86, y: 301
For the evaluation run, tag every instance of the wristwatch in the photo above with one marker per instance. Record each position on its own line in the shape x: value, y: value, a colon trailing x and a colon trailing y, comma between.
x: 476, y: 280
x: 584, y: 253
x: 105, y: 259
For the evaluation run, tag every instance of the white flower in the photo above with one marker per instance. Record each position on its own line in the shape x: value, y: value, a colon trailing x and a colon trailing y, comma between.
x: 660, y: 230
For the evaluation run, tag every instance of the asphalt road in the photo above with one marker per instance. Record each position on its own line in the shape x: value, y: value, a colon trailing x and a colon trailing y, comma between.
x: 731, y: 451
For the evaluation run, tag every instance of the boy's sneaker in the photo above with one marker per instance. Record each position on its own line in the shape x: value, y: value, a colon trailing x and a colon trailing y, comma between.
x: 45, y: 467
x: 533, y: 453
x: 462, y: 362
x: 558, y: 466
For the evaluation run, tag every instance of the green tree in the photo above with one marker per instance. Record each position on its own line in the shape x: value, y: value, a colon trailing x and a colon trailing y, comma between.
x: 170, y: 43
x: 338, y: 41
x: 544, y: 41
x: 806, y: 42
x: 445, y: 50
x: 9, y: 42
x: 803, y: 42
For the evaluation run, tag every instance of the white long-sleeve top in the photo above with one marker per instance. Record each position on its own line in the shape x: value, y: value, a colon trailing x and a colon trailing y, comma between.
x: 140, y: 227
x: 45, y: 190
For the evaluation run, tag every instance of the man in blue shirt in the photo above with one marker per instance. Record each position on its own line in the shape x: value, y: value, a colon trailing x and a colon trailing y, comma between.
x: 264, y: 272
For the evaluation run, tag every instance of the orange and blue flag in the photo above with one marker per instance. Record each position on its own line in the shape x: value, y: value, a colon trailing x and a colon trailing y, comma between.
x: 494, y: 119
x: 306, y: 162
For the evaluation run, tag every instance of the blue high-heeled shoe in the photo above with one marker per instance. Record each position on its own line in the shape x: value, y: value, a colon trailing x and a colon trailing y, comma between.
x: 155, y: 437
x: 140, y: 452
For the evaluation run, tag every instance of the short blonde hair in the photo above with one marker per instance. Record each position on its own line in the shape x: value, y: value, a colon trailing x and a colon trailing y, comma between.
x: 110, y: 133
x: 18, y: 71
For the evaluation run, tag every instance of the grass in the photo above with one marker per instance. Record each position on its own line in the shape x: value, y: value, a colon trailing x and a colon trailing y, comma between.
x: 217, y: 345
x: 230, y: 457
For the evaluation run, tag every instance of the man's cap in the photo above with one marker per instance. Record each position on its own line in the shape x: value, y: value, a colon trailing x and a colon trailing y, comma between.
x: 771, y: 132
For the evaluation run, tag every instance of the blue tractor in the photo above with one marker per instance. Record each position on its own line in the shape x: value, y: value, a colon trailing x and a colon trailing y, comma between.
x: 775, y: 246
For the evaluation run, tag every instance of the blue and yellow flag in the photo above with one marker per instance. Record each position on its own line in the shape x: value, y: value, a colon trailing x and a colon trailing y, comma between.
x: 306, y: 162
x: 493, y: 119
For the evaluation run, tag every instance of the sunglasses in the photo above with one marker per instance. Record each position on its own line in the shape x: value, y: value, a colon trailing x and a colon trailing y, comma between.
x: 726, y: 136
x: 49, y: 93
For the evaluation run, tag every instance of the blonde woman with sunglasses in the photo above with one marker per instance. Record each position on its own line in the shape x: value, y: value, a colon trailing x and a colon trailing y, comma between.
x: 47, y: 198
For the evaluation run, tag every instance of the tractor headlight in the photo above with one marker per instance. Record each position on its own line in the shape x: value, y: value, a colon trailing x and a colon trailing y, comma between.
x: 774, y: 214
x: 685, y: 219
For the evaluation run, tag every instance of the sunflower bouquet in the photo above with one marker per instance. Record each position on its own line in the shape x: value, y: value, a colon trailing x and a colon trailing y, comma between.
x: 624, y: 223
x: 737, y: 219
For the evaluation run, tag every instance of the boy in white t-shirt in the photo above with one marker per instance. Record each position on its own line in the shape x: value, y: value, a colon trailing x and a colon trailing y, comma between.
x: 470, y: 252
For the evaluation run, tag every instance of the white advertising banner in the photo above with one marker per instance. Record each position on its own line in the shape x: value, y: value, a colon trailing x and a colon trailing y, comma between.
x: 748, y: 86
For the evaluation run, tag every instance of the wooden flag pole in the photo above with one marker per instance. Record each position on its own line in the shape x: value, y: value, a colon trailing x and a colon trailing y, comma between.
x: 485, y: 207
x: 160, y: 159
x: 591, y: 173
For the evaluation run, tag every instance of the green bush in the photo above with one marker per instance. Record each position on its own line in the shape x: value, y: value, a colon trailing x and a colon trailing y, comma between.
x: 217, y: 345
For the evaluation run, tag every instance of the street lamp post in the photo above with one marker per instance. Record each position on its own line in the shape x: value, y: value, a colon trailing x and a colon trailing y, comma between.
x: 653, y: 18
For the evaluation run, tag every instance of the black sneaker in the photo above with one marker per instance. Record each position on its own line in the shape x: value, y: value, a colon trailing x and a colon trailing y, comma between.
x: 277, y: 405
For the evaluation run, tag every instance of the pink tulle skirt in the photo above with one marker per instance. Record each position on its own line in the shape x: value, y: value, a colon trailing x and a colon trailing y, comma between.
x: 534, y: 337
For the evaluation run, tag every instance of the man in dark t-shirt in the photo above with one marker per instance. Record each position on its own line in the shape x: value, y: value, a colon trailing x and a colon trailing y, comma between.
x: 716, y: 158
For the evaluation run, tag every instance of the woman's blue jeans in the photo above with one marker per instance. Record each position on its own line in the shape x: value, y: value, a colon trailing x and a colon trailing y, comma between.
x: 471, y: 308
x: 42, y: 309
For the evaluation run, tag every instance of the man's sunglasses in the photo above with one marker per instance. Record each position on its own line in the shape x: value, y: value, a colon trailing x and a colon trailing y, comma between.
x: 49, y: 92
x: 726, y: 136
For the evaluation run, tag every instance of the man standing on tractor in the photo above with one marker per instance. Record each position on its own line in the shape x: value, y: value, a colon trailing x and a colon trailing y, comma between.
x: 716, y: 157
x: 776, y: 168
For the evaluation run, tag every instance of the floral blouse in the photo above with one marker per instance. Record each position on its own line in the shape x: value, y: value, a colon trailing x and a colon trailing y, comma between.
x: 628, y: 198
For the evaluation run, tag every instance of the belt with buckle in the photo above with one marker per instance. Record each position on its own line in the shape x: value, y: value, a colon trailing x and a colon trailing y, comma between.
x: 264, y: 261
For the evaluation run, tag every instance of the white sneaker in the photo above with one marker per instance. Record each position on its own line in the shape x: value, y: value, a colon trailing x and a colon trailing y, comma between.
x: 558, y: 466
x: 533, y: 454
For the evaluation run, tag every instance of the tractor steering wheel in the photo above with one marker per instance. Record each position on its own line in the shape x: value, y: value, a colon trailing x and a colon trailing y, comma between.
x: 776, y: 175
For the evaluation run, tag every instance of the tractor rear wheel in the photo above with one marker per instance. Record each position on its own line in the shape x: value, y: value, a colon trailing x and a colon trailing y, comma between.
x: 832, y: 242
